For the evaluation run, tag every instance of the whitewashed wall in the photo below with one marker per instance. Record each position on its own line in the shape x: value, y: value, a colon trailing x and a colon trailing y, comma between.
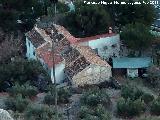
x: 59, y: 72
x: 30, y: 50
x: 132, y: 73
x: 104, y: 46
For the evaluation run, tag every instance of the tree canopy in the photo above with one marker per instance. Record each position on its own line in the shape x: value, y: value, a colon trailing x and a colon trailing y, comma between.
x: 94, y: 19
x: 87, y: 20
x: 25, y: 10
x: 136, y: 36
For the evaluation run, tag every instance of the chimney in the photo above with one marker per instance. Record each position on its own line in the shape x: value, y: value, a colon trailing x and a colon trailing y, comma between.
x: 110, y: 30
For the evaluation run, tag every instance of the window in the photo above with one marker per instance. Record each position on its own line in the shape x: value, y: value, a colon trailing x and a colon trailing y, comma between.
x: 114, y: 45
x: 105, y: 48
x: 28, y: 43
x: 34, y: 53
x: 96, y: 50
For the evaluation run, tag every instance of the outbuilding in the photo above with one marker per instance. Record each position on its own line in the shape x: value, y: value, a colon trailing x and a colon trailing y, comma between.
x: 133, y: 67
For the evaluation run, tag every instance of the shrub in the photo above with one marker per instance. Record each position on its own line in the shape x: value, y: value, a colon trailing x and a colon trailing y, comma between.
x: 21, y: 70
x: 102, y: 113
x: 131, y: 92
x: 63, y: 96
x: 49, y: 99
x: 10, y: 104
x: 98, y: 113
x: 17, y: 104
x: 127, y: 92
x: 155, y: 106
x: 147, y: 98
x: 26, y: 90
x: 40, y: 112
x: 129, y: 108
x: 93, y: 97
x: 85, y: 111
x: 149, y: 118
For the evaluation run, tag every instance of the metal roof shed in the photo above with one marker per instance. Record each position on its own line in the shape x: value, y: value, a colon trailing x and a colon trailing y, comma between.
x: 138, y: 62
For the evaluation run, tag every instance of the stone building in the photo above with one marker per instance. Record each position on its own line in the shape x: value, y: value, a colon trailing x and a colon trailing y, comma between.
x: 72, y: 60
x: 83, y: 66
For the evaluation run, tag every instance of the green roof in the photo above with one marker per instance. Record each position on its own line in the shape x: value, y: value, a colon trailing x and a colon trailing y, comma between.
x: 131, y: 62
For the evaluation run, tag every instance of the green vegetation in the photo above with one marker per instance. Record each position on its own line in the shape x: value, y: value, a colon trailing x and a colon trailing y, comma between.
x: 63, y: 96
x: 40, y: 112
x: 26, y: 11
x: 149, y: 118
x: 153, y: 76
x: 18, y: 103
x: 95, y: 96
x: 25, y: 90
x: 155, y: 107
x: 90, y: 19
x: 131, y: 92
x: 147, y: 98
x: 94, y: 105
x: 98, y: 113
x: 133, y: 101
x: 136, y: 36
x: 21, y: 71
x: 130, y: 108
x: 87, y: 20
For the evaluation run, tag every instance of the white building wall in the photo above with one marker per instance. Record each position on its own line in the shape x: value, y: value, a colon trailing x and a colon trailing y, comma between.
x: 132, y: 72
x: 59, y: 73
x: 30, y: 50
x: 104, y: 46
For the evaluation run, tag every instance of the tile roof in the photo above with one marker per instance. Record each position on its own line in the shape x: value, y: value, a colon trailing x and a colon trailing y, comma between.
x: 73, y: 39
x: 75, y: 62
x: 90, y: 56
x: 35, y: 37
x: 136, y: 62
x: 95, y: 37
x: 66, y: 33
x: 45, y: 53
x: 60, y: 44
x: 77, y: 58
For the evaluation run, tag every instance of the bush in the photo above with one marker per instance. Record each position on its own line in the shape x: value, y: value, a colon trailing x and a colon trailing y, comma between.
x: 102, y: 113
x: 17, y: 104
x: 49, y: 99
x: 129, y: 108
x: 21, y: 71
x: 84, y: 112
x: 149, y: 118
x: 155, y: 106
x: 40, y: 112
x: 131, y: 92
x: 93, y: 97
x: 26, y: 90
x: 147, y: 98
x: 63, y: 96
x: 98, y: 113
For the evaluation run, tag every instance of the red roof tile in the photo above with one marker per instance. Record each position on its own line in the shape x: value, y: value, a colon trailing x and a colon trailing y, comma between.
x: 66, y: 33
x: 45, y: 53
x: 73, y: 39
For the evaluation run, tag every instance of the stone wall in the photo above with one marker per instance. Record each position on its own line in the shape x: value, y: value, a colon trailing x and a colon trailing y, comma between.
x: 92, y: 75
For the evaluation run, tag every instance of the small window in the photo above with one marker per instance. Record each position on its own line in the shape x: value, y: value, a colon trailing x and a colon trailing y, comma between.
x: 28, y: 43
x: 105, y: 48
x: 114, y: 45
x: 34, y: 53
x: 96, y: 50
